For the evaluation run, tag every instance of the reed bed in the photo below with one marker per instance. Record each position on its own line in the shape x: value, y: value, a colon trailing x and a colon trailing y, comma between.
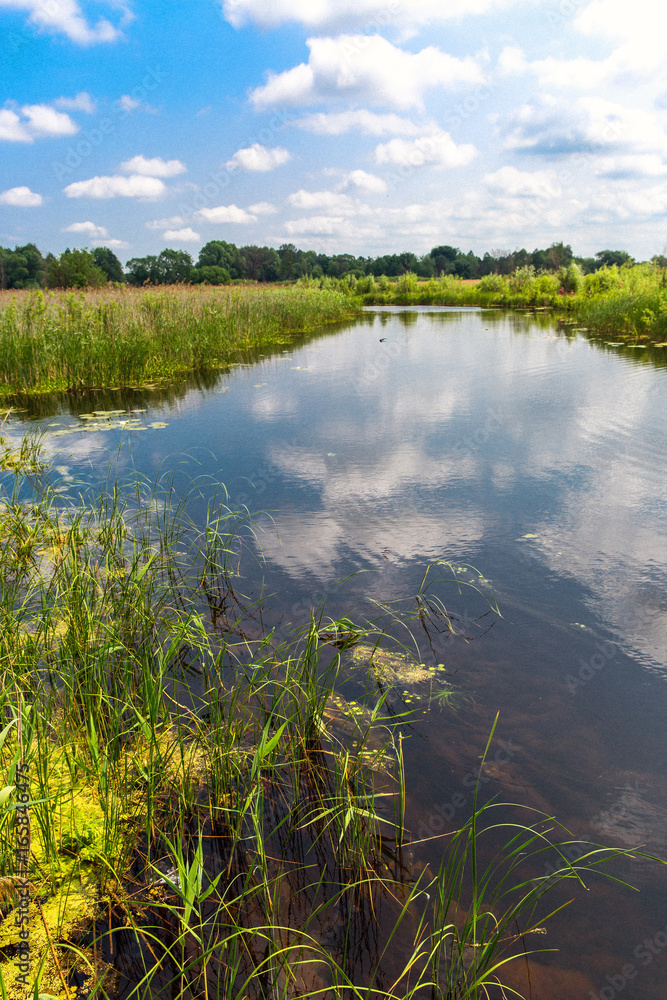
x: 53, y: 342
x: 627, y: 303
x: 194, y: 807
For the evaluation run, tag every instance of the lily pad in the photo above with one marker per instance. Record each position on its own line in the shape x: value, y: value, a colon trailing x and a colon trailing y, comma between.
x: 158, y: 425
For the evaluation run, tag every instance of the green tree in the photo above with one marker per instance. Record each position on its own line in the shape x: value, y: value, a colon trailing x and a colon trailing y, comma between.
x: 74, y: 269
x: 107, y: 261
x: 22, y: 267
x: 218, y: 253
x: 210, y: 275
x: 607, y: 258
x: 260, y: 263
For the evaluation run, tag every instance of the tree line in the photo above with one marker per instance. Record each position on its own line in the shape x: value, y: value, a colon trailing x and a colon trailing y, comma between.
x: 220, y: 263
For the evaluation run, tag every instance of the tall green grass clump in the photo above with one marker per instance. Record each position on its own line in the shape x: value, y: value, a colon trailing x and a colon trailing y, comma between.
x: 627, y: 302
x: 214, y: 809
x: 125, y: 337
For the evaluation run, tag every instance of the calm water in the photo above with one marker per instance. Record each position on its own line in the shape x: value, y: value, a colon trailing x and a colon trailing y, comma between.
x: 480, y: 439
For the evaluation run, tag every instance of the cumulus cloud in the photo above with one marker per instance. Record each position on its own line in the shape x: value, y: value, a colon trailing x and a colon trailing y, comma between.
x: 366, y: 69
x: 21, y: 197
x: 82, y: 102
x: 227, y: 214
x: 129, y: 104
x: 361, y: 120
x: 182, y: 235
x: 34, y: 121
x: 263, y: 208
x: 258, y: 158
x: 87, y: 228
x: 171, y: 223
x: 523, y: 183
x: 65, y: 17
x: 113, y: 244
x: 374, y: 14
x: 552, y: 127
x: 157, y: 167
x: 364, y: 181
x: 329, y: 201
x: 432, y: 150
x: 134, y: 186
x: 317, y: 225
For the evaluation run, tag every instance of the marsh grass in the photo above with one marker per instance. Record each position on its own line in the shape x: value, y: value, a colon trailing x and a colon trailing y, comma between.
x: 627, y: 303
x: 209, y: 816
x: 52, y: 342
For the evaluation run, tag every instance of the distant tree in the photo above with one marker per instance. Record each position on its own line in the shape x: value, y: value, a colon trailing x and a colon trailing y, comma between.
x: 587, y: 264
x: 22, y: 267
x: 260, y: 263
x: 74, y: 269
x: 288, y: 254
x: 142, y: 270
x: 558, y: 255
x: 107, y: 261
x: 607, y: 258
x: 210, y: 275
x: 174, y: 267
x: 217, y: 253
x: 171, y: 267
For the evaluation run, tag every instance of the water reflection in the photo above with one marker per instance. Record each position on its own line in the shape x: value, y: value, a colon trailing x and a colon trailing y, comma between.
x: 484, y: 438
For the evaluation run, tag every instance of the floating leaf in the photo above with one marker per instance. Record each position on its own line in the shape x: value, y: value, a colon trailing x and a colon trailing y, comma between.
x: 158, y: 425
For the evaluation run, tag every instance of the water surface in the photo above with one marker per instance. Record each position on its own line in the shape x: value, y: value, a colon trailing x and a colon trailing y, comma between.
x: 487, y: 440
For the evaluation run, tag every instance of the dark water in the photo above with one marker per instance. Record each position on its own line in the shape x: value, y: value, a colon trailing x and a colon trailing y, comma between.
x: 486, y: 440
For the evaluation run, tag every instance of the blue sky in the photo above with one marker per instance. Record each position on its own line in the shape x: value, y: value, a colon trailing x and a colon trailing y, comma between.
x: 363, y: 126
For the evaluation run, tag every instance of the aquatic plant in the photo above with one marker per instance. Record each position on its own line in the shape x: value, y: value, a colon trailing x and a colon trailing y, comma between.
x: 211, y: 812
x: 126, y: 337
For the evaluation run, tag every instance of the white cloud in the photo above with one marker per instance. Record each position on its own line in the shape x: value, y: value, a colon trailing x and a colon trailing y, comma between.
x: 364, y: 181
x: 436, y: 150
x: 12, y: 129
x: 157, y: 167
x: 227, y: 214
x: 21, y: 197
x: 318, y: 225
x: 88, y: 228
x: 367, y: 14
x: 134, y: 186
x: 617, y: 18
x: 258, y: 158
x: 367, y: 69
x: 34, y: 121
x: 130, y: 104
x: 182, y: 235
x: 171, y: 223
x: 523, y: 183
x: 43, y: 120
x: 263, y: 208
x: 368, y: 122
x: 112, y: 244
x: 65, y: 17
x: 587, y: 125
x: 309, y: 201
x: 82, y: 102
x: 512, y: 60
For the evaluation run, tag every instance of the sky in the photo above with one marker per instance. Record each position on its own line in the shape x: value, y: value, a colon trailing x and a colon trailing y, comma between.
x: 342, y: 126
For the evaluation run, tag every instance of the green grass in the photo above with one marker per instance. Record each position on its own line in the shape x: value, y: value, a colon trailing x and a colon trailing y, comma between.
x: 52, y: 342
x: 211, y: 816
x: 627, y: 303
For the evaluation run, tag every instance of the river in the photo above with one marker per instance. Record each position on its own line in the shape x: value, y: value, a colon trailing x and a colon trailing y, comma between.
x: 486, y: 440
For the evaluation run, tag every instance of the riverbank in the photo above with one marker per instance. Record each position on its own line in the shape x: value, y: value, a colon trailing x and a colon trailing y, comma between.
x: 121, y: 337
x: 191, y: 806
x: 627, y: 303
